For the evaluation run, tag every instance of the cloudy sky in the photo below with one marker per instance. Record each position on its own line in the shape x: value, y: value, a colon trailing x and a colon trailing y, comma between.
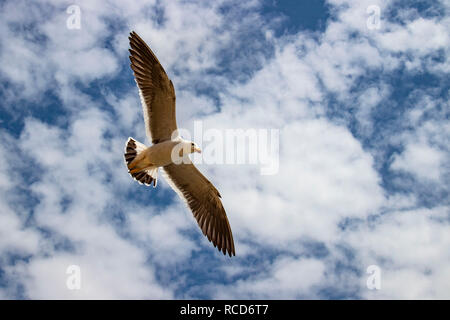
x: 358, y: 90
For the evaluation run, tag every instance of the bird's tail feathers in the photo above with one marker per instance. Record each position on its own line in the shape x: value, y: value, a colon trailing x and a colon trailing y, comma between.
x: 148, y: 176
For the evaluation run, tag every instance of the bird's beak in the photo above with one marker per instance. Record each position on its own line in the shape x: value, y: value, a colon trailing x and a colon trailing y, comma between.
x: 197, y: 149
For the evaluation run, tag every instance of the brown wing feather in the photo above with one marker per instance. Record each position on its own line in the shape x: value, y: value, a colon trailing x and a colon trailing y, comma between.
x: 156, y: 91
x: 204, y: 201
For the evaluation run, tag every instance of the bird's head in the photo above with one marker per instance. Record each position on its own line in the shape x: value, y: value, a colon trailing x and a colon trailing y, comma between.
x: 195, y: 148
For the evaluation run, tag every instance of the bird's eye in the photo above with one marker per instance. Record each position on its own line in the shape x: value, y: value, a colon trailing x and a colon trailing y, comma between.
x: 192, y: 144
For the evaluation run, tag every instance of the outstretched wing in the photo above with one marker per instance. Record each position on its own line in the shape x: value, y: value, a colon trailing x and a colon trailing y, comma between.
x: 204, y: 201
x: 155, y: 89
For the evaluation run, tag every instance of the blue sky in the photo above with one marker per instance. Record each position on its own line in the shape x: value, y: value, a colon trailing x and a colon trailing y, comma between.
x: 363, y: 178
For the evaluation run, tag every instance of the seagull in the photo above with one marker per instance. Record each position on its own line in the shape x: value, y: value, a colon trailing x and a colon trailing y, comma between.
x: 169, y: 151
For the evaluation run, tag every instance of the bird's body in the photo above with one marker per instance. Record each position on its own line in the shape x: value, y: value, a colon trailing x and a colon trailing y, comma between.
x: 169, y: 151
x: 157, y: 155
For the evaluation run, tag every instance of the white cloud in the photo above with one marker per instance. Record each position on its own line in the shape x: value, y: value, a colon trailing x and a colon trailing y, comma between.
x: 422, y: 160
x: 287, y: 278
x: 425, y: 148
x: 162, y: 234
x: 105, y: 274
x: 410, y: 248
x: 421, y: 35
x: 333, y: 179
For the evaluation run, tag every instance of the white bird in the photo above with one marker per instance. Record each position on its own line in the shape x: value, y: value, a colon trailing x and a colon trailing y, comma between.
x: 158, y: 102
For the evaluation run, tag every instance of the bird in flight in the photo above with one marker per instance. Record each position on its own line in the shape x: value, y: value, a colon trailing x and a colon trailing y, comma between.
x: 169, y: 152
